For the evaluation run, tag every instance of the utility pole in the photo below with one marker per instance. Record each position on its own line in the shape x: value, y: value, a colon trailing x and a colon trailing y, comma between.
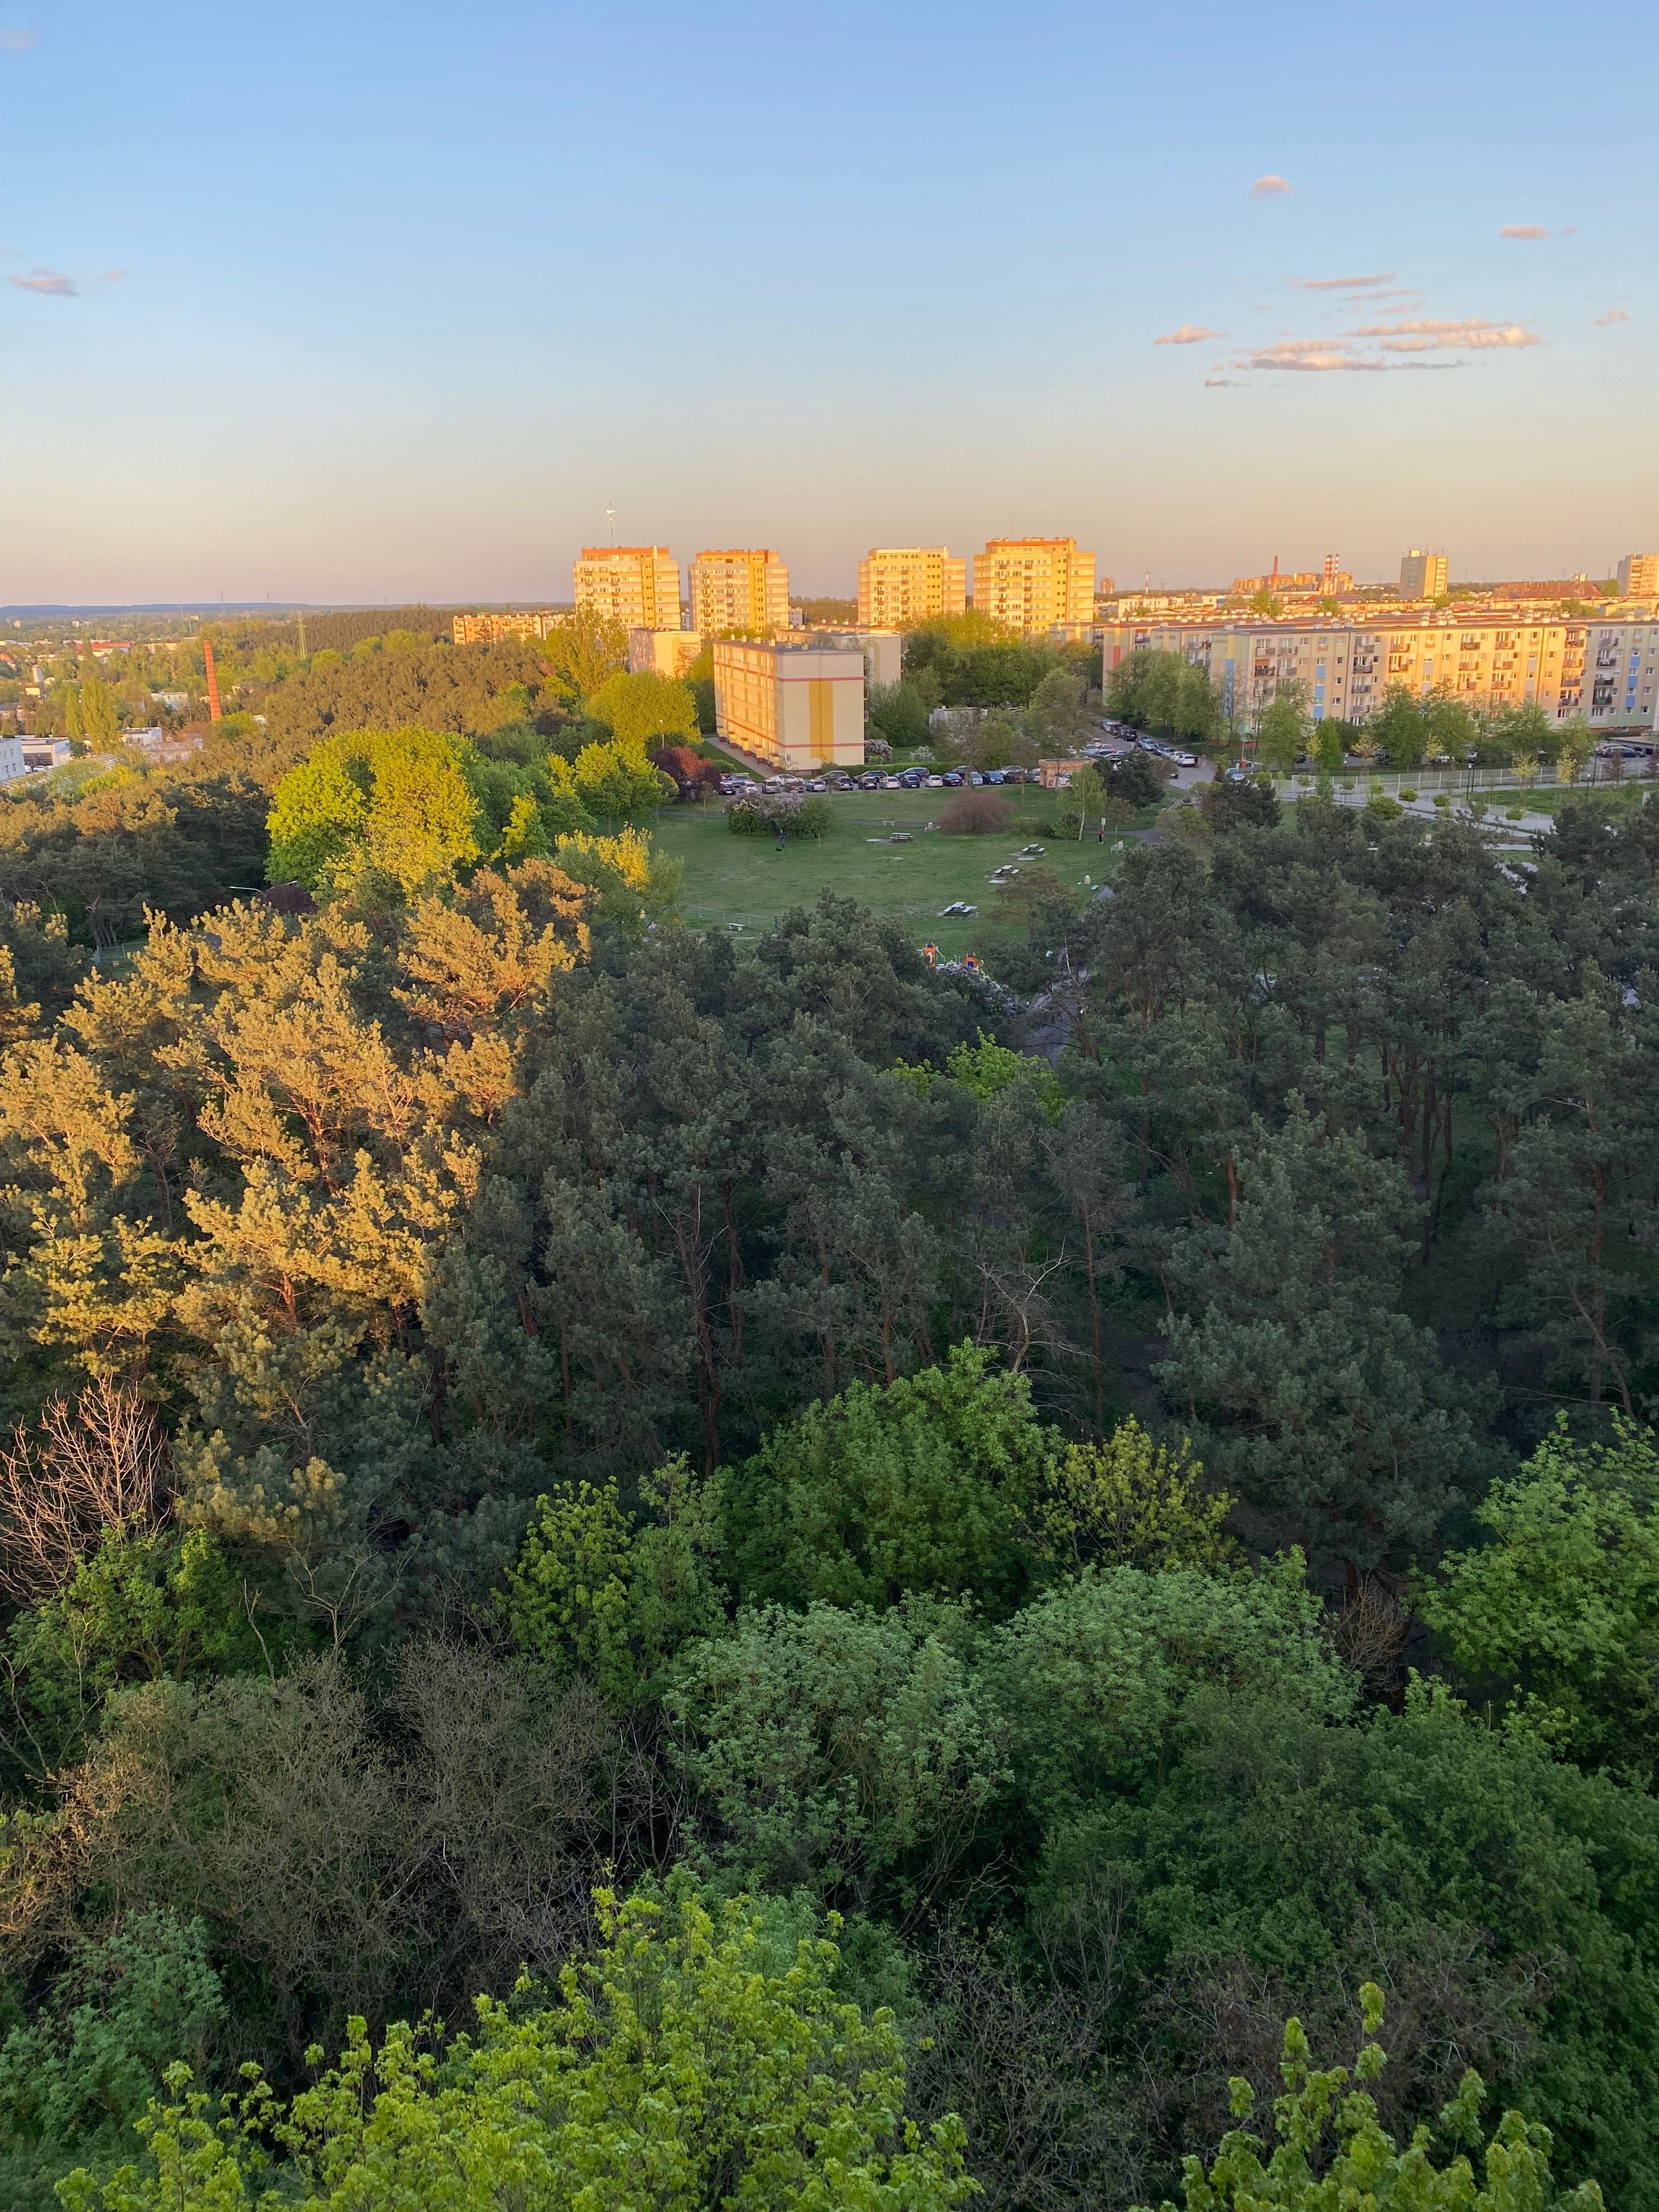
x: 611, y: 519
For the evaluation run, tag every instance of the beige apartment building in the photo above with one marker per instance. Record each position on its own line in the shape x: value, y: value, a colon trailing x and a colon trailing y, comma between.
x: 900, y: 586
x: 746, y: 590
x: 638, y: 586
x: 662, y: 651
x: 1034, y: 585
x: 1422, y: 575
x: 491, y: 629
x: 799, y: 706
x: 1604, y: 671
x: 1639, y: 577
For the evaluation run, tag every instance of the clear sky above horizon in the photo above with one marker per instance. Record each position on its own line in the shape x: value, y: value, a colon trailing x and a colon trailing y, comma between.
x: 357, y: 301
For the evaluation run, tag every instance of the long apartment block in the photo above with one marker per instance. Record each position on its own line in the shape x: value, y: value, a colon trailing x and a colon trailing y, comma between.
x: 1606, y: 671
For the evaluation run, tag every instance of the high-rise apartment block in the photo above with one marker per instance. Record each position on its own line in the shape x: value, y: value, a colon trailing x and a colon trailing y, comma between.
x: 900, y: 586
x: 1034, y: 585
x: 1639, y: 577
x: 1422, y: 575
x: 638, y: 586
x: 796, y: 706
x: 746, y: 590
x: 1607, y: 672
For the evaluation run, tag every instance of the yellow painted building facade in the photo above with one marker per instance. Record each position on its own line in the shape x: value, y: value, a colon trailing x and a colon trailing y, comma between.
x: 746, y: 589
x: 800, y: 708
x: 1034, y: 585
x: 900, y: 586
x: 638, y: 586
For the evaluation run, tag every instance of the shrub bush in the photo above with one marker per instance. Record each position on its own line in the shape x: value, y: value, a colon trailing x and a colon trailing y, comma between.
x: 764, y: 813
x: 978, y: 813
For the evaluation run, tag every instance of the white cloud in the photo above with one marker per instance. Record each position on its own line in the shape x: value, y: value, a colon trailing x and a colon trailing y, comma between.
x: 1188, y: 334
x: 1270, y: 187
x: 1613, y: 315
x: 1309, y: 356
x: 16, y: 42
x: 1473, y: 333
x: 50, y: 281
x: 1523, y: 230
x: 1339, y: 283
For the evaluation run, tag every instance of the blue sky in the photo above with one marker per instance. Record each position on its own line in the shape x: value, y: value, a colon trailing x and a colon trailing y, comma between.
x: 406, y: 295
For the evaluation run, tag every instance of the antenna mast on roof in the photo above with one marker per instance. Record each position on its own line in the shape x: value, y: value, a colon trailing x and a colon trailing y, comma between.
x: 611, y: 518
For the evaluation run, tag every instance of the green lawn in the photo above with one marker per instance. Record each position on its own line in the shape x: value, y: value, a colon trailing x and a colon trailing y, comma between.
x: 747, y: 881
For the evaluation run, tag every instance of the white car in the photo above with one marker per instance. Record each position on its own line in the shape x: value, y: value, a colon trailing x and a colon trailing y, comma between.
x: 1183, y: 760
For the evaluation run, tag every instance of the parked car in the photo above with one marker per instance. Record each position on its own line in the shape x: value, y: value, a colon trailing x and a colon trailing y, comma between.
x: 816, y: 783
x: 952, y: 777
x: 1181, y: 760
x: 935, y: 783
x: 872, y: 781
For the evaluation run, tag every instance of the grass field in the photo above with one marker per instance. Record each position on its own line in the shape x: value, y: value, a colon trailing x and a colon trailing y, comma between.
x: 747, y: 881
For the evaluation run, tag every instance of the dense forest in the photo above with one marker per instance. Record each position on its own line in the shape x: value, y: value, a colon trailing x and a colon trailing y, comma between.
x: 852, y: 1569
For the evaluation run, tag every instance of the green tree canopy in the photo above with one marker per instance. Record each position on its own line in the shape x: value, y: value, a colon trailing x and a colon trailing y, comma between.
x: 839, y: 1749
x: 616, y: 783
x: 1282, y: 733
x: 644, y: 710
x: 1332, y: 2150
x: 922, y: 1485
x: 392, y: 804
x: 690, y: 2064
x: 1558, y: 1608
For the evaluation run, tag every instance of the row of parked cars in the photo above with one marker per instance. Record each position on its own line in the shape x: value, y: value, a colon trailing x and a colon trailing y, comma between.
x: 1117, y: 738
x: 909, y: 778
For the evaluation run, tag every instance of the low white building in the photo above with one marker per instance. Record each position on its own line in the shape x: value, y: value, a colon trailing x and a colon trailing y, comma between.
x: 11, y: 760
x: 795, y: 705
x: 662, y: 651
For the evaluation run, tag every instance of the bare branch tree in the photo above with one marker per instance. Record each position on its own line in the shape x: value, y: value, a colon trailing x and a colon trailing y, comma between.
x: 98, y: 1465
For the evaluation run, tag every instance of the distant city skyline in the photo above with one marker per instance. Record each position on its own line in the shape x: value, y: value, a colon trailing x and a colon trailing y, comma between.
x: 1192, y: 300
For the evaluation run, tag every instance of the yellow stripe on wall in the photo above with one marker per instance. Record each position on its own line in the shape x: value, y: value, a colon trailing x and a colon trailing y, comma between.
x: 822, y: 702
